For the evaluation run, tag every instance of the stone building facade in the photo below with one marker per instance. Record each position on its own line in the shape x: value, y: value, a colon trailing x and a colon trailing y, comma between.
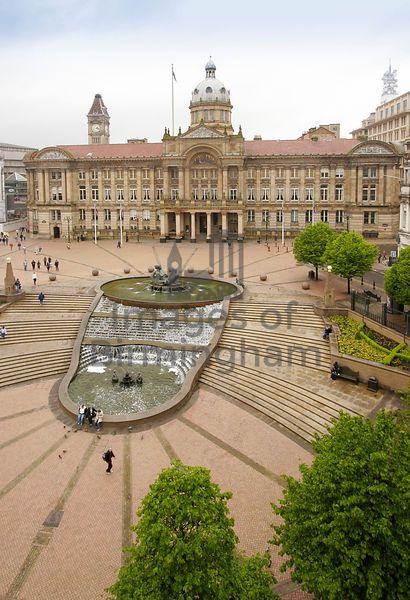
x: 209, y: 183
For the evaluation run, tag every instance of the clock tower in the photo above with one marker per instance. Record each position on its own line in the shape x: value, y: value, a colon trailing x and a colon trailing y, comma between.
x: 98, y: 122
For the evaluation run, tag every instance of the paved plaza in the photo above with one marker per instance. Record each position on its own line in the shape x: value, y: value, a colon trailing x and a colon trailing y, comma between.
x: 63, y: 519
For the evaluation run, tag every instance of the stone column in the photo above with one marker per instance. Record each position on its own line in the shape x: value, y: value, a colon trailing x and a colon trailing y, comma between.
x: 177, y: 227
x: 181, y: 193
x: 224, y: 226
x: 193, y: 232
x: 240, y: 226
x: 69, y: 187
x: 40, y: 178
x: 47, y: 187
x: 225, y: 192
x: 64, y: 186
x: 258, y: 185
x: 209, y: 227
x: 166, y: 183
x: 162, y: 219
x: 139, y: 187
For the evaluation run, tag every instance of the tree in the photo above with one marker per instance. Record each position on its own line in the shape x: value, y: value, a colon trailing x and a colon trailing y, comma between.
x: 397, y: 279
x: 310, y: 245
x: 346, y: 523
x: 350, y: 255
x: 185, y: 545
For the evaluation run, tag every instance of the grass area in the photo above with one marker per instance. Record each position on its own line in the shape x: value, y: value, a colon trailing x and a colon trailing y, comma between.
x: 358, y: 340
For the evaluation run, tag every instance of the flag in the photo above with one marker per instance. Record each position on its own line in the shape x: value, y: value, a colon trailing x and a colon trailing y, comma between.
x: 173, y: 74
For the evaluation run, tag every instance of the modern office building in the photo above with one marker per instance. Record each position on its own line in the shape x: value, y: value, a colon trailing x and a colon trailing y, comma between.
x: 13, y: 186
x: 208, y: 182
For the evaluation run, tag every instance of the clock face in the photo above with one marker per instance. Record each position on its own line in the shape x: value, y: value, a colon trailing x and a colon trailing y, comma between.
x: 95, y: 128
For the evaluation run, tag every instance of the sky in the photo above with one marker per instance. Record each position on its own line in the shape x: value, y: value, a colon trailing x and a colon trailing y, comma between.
x: 288, y: 65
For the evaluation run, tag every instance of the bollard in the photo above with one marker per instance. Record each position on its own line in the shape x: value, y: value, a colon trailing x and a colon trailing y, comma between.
x: 374, y: 285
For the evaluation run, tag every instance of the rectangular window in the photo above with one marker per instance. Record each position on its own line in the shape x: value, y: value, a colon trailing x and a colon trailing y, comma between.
x: 340, y: 172
x: 251, y: 173
x: 369, y: 218
x: 280, y: 172
x: 308, y: 216
x: 145, y: 173
x: 132, y: 173
x: 265, y: 194
x: 55, y: 175
x: 251, y: 193
x: 340, y: 216
x: 309, y: 194
x: 279, y: 216
x: 83, y: 192
x: 133, y: 214
x: 120, y: 194
x: 233, y: 193
x: 195, y: 193
x: 174, y: 172
x: 146, y: 215
x: 265, y: 216
x: 404, y: 105
x: 324, y: 193
x: 294, y: 172
x: 373, y: 171
x: 294, y: 216
x: 324, y: 172
x: 365, y: 193
x: 81, y: 215
x: 309, y: 172
x: 372, y: 193
x: 107, y: 214
x: 214, y: 193
x: 365, y: 171
x: 158, y: 173
x: 174, y: 193
x: 294, y: 193
x: 159, y: 193
x: 133, y: 193
x: 339, y: 192
x: 107, y: 174
x: 81, y: 174
x: 265, y: 173
x: 145, y: 194
x: 324, y: 216
x: 119, y: 173
x: 94, y: 193
x: 94, y: 174
x: 279, y: 194
x: 107, y: 194
x: 251, y: 216
x: 205, y: 194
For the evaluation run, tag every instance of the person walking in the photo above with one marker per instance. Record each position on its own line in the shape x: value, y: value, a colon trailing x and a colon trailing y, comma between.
x: 41, y: 298
x: 33, y: 264
x: 25, y: 263
x: 38, y: 265
x: 3, y: 332
x: 56, y: 264
x: 34, y: 278
x: 108, y: 456
x: 45, y: 261
x: 17, y: 284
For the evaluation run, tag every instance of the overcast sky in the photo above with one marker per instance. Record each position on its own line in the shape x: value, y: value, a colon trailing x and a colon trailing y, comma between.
x: 289, y: 65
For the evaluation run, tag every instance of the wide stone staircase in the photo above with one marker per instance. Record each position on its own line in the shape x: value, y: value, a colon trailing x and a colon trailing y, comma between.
x: 40, y: 338
x: 272, y: 358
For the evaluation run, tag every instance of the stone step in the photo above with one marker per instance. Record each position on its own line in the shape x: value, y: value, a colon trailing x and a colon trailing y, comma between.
x: 23, y: 368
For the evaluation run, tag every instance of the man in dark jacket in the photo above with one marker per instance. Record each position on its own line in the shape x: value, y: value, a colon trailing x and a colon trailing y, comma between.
x: 108, y: 456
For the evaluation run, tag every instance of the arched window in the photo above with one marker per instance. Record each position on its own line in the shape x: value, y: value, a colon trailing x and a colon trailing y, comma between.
x: 208, y: 90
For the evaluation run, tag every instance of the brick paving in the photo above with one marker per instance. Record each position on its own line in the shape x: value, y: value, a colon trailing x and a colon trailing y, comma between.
x: 78, y: 559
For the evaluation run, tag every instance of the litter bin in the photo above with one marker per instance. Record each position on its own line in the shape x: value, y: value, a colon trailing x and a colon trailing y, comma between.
x: 372, y: 384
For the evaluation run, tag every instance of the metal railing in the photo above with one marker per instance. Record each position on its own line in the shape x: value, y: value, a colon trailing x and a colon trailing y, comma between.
x: 380, y: 313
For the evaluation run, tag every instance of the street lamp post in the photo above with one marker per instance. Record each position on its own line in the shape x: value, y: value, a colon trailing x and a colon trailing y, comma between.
x: 68, y: 219
x: 95, y: 223
x: 266, y: 226
x: 121, y: 223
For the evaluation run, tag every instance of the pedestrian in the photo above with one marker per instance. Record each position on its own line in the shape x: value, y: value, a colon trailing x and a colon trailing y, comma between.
x: 34, y: 278
x: 80, y: 415
x: 48, y: 267
x: 3, y: 332
x: 38, y: 265
x: 41, y: 298
x: 56, y: 264
x: 90, y: 413
x: 39, y: 249
x: 19, y: 245
x: 118, y: 244
x: 68, y: 246
x: 24, y: 249
x: 25, y: 263
x: 45, y: 261
x: 379, y: 258
x: 107, y: 457
x: 17, y: 284
x: 11, y: 245
x: 99, y: 419
x: 33, y: 264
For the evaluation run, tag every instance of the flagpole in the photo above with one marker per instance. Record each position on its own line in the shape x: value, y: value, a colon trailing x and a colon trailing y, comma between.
x: 172, y: 88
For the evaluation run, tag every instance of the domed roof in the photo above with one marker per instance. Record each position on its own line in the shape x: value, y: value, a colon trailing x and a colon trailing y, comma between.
x: 210, y: 89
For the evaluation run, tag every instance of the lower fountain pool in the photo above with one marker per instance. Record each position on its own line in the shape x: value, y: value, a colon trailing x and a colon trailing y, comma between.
x: 93, y: 387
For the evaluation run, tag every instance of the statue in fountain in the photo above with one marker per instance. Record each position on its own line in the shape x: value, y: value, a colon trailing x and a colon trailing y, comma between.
x: 159, y: 277
x: 127, y: 380
x: 165, y: 282
x: 114, y: 378
x: 138, y: 379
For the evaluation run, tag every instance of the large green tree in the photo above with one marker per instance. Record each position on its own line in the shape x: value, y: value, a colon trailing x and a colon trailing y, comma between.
x: 350, y: 255
x: 310, y: 245
x: 185, y: 545
x: 346, y: 522
x: 397, y: 279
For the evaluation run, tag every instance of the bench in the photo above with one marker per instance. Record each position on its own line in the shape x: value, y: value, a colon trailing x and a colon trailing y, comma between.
x: 372, y: 295
x: 348, y: 374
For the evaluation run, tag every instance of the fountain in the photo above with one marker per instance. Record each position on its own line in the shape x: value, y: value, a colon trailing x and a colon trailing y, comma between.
x: 166, y: 283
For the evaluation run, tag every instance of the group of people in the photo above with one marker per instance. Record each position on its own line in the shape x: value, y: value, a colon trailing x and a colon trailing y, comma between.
x: 327, y: 331
x: 17, y: 284
x: 48, y: 263
x: 335, y: 370
x: 90, y: 414
x: 20, y: 236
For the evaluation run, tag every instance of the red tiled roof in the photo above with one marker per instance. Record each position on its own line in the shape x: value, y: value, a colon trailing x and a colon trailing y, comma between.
x: 115, y: 150
x: 299, y: 147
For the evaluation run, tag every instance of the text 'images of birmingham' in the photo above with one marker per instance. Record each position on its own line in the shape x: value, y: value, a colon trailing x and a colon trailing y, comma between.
x: 225, y: 259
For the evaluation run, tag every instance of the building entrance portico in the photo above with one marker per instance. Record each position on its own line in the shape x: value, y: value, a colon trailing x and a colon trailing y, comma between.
x: 210, y: 225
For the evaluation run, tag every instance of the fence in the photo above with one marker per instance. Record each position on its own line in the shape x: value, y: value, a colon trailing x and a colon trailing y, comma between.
x: 379, y: 311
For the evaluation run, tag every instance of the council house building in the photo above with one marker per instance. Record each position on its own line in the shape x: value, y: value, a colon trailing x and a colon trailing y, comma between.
x: 210, y: 183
